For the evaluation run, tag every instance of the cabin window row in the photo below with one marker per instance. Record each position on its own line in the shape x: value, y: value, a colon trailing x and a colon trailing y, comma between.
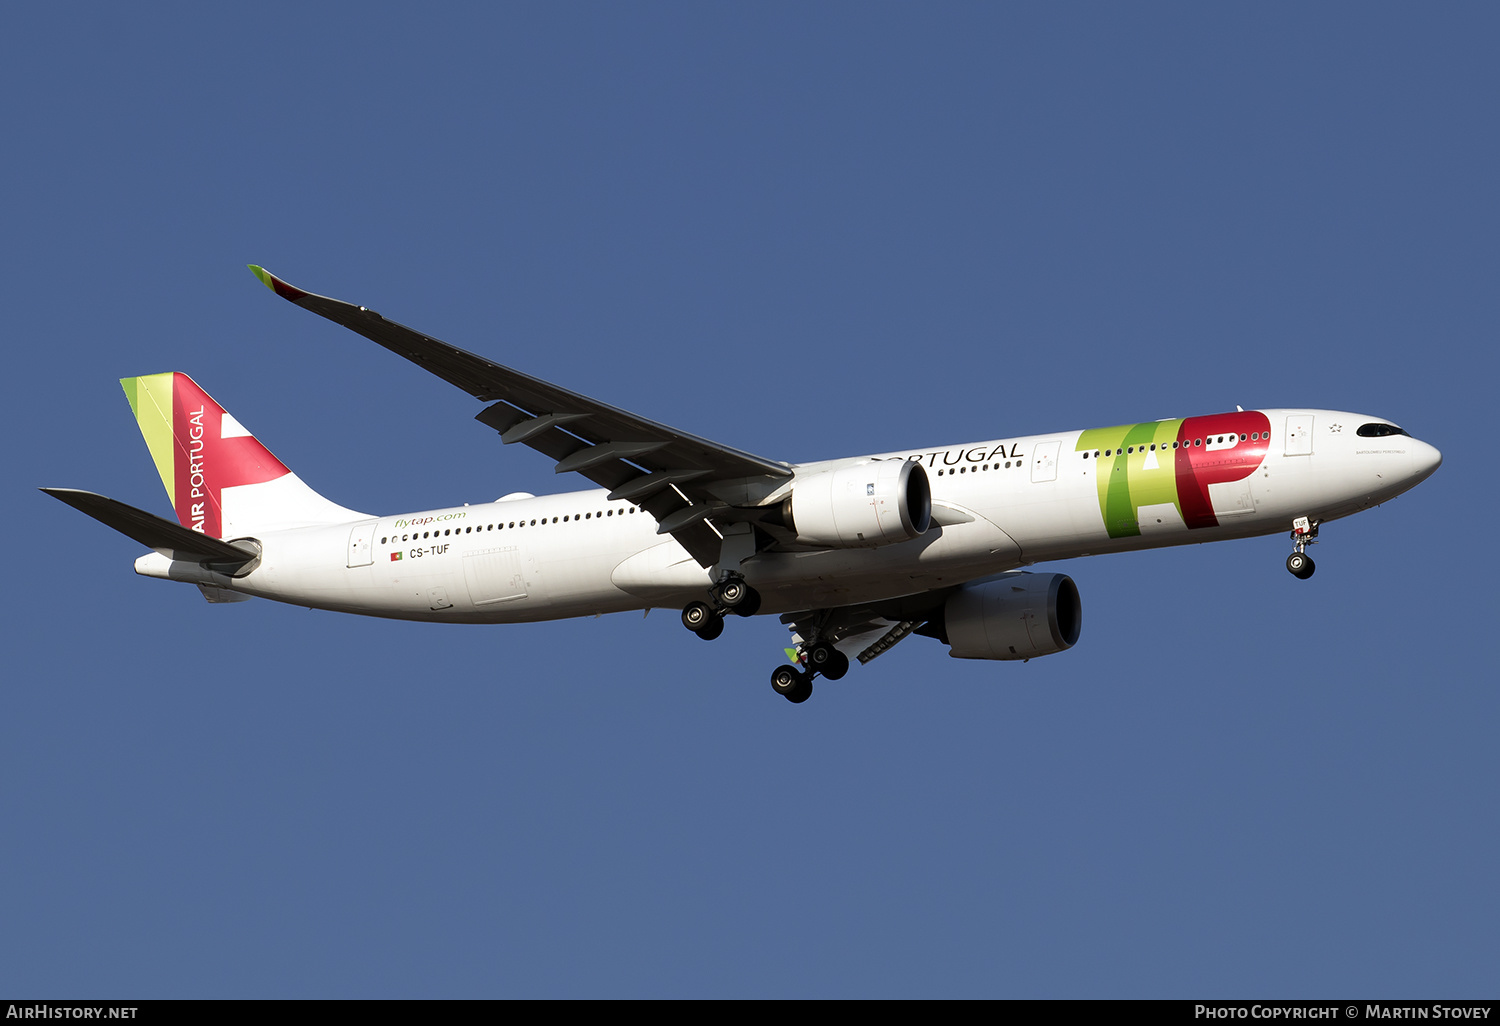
x: 1254, y: 436
x: 503, y: 526
x: 987, y: 466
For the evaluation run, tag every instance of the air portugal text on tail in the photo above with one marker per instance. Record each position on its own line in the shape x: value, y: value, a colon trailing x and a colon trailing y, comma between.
x: 221, y: 481
x: 199, y: 450
x: 856, y: 554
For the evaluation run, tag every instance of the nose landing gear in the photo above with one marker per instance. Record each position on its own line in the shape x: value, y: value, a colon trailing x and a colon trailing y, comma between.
x: 1304, y: 533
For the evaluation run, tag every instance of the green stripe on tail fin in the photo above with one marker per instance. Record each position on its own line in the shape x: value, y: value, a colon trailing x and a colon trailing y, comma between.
x: 151, y: 401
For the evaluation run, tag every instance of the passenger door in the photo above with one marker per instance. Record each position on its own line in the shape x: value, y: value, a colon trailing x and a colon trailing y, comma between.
x: 361, y: 543
x: 1044, y: 462
x: 1299, y: 429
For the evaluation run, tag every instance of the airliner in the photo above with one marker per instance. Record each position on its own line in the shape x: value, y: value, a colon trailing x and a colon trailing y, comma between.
x: 854, y: 554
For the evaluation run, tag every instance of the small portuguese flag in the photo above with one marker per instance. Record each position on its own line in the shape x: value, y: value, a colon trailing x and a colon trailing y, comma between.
x: 395, y: 556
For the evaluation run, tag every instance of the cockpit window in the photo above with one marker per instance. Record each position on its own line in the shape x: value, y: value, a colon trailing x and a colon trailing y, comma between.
x: 1379, y: 430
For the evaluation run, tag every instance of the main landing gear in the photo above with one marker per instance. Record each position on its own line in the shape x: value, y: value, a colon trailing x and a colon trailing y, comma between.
x: 810, y: 658
x: 823, y: 658
x: 820, y: 658
x: 731, y: 595
x: 1304, y: 533
x: 791, y: 683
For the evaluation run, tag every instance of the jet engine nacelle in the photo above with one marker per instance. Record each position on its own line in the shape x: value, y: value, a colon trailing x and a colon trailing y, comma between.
x: 1019, y: 616
x: 876, y: 503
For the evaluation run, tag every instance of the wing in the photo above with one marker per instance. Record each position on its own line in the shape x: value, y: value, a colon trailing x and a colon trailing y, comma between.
x: 676, y: 477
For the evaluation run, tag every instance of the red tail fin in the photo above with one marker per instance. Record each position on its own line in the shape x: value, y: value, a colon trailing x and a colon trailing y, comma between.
x: 205, y: 456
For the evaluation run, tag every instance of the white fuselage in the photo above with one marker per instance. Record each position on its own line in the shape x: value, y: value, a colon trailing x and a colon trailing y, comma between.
x: 997, y: 505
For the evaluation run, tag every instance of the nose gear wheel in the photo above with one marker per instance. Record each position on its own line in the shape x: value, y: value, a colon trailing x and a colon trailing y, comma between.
x: 1304, y: 533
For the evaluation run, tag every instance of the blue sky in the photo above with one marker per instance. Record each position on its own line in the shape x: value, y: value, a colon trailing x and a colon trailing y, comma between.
x: 806, y: 232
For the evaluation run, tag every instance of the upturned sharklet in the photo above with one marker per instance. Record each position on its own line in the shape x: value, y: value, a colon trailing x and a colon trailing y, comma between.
x: 597, y: 454
x: 536, y: 425
x: 646, y: 484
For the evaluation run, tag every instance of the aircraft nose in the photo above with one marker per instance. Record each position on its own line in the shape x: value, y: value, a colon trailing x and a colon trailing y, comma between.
x: 1424, y: 460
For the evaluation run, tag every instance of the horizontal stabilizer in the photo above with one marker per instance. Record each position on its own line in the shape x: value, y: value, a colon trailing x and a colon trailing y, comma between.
x: 172, y: 540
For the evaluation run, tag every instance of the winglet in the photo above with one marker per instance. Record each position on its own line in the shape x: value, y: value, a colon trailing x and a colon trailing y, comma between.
x: 276, y: 285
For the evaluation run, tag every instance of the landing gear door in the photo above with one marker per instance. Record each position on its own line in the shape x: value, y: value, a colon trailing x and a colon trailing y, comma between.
x: 1044, y: 462
x: 361, y: 543
x: 1299, y: 430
